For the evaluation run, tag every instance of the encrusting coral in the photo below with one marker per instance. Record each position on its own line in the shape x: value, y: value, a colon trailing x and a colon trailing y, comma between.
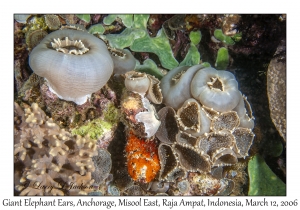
x: 49, y: 160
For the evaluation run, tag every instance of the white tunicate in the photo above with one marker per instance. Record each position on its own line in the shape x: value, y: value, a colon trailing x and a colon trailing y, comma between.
x: 148, y: 118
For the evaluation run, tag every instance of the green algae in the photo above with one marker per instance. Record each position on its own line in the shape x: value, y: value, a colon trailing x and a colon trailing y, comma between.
x: 98, y: 127
x: 206, y: 64
x: 109, y: 19
x: 195, y: 37
x: 222, y: 60
x: 149, y: 67
x: 192, y: 57
x: 137, y: 38
x: 35, y: 23
x: 127, y: 20
x: 263, y: 181
x: 140, y: 21
x: 237, y: 37
x: 158, y: 45
x: 96, y: 29
x: 84, y: 17
x: 124, y: 39
x: 223, y: 38
x: 134, y: 30
x: 95, y: 129
x: 111, y: 114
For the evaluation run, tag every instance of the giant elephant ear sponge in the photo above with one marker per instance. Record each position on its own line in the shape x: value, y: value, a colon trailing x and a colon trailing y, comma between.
x: 175, y: 85
x: 215, y: 89
x: 75, y: 64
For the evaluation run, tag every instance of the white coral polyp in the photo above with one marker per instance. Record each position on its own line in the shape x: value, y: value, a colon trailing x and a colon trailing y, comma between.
x: 215, y: 89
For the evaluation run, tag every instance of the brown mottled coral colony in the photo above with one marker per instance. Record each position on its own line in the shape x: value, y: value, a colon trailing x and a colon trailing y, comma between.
x: 48, y: 156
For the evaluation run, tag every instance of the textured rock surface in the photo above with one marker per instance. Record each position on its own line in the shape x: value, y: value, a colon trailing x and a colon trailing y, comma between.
x: 276, y: 86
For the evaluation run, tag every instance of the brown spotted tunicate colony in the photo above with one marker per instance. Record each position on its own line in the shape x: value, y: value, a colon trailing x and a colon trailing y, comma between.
x: 206, y: 124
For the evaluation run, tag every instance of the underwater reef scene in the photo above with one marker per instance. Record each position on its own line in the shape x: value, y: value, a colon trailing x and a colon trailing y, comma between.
x: 159, y: 104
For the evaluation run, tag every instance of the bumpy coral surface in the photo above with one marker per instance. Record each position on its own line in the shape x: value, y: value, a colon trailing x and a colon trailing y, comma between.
x: 142, y: 158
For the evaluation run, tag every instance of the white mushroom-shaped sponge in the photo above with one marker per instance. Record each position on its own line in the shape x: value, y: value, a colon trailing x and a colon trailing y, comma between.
x: 75, y: 64
x: 175, y: 85
x: 217, y: 89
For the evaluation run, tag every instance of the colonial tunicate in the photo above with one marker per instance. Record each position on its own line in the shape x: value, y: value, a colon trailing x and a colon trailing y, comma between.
x: 75, y: 64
